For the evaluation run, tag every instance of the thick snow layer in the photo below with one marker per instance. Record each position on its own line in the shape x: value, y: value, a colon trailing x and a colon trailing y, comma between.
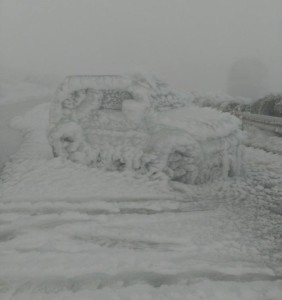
x: 73, y: 232
x: 117, y: 123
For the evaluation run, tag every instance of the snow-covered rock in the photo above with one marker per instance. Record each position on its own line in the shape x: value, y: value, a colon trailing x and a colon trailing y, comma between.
x: 137, y: 123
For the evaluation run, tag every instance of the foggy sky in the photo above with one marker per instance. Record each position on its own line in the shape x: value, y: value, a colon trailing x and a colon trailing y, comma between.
x: 190, y: 43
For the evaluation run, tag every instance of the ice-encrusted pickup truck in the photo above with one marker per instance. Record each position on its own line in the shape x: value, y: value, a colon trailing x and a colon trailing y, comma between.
x: 138, y: 123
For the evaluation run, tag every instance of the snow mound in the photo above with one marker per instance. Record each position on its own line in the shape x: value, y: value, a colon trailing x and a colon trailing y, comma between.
x: 137, y: 123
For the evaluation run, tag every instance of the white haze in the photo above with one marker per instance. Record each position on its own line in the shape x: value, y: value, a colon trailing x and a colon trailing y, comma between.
x: 190, y: 43
x: 71, y: 231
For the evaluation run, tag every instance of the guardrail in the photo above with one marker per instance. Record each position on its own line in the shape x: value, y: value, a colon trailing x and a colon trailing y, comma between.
x: 269, y: 123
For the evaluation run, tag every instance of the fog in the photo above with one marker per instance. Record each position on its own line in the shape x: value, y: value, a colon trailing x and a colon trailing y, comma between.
x: 192, y: 44
x: 119, y: 187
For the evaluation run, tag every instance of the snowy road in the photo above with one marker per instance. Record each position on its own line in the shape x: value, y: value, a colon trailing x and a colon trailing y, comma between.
x: 71, y: 248
x: 136, y: 238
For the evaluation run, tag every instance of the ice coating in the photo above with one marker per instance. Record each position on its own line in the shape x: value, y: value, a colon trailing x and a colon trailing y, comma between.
x: 137, y: 123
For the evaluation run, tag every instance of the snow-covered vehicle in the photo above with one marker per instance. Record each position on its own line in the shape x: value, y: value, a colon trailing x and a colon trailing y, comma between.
x: 138, y: 123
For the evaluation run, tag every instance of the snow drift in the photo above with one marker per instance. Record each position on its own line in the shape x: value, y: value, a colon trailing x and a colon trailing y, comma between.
x: 138, y: 123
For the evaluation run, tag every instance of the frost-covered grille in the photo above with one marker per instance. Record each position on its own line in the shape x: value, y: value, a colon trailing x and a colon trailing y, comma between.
x: 112, y: 99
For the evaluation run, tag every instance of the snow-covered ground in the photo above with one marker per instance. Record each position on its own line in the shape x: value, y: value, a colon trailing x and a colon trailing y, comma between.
x: 72, y: 232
